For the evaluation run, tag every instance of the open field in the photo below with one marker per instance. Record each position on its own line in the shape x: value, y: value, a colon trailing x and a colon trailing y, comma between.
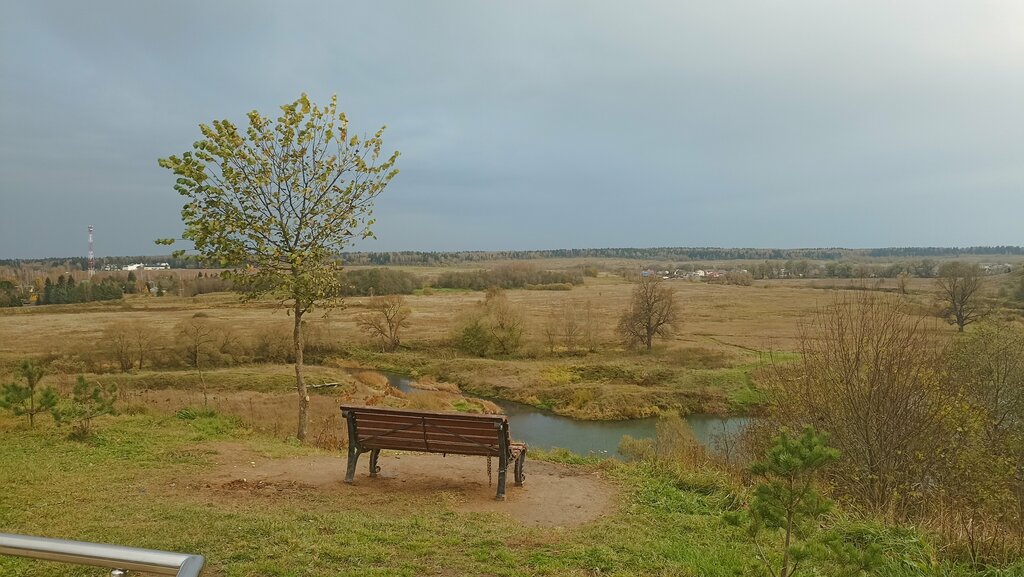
x: 255, y: 506
x: 709, y: 364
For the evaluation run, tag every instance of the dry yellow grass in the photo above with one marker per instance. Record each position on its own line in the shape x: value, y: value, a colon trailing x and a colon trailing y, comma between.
x: 707, y: 365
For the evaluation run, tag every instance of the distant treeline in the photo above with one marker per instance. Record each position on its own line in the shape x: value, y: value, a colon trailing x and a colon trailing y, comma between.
x: 67, y: 291
x: 512, y: 276
x: 384, y: 281
x: 945, y: 251
x: 379, y: 281
x: 82, y: 263
x: 429, y: 258
x: 421, y: 258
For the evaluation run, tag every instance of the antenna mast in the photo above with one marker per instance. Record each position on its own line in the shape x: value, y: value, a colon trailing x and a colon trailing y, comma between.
x: 92, y: 256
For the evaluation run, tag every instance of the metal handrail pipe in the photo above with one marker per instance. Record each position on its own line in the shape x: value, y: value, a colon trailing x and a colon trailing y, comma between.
x: 101, y: 555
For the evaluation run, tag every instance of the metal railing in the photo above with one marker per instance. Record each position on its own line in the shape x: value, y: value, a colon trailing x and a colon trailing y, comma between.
x: 118, y: 559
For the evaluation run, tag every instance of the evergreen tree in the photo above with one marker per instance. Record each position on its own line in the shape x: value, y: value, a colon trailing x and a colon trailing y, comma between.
x: 23, y: 399
x: 87, y: 402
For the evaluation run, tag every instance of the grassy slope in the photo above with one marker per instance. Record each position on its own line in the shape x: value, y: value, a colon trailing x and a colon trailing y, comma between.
x: 668, y: 525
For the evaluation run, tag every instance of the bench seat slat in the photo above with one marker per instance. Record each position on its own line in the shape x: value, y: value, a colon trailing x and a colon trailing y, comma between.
x: 487, y: 425
x: 431, y: 428
x: 415, y: 414
x: 372, y: 435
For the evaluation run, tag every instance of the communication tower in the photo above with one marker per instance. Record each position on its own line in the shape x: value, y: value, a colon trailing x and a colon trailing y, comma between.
x: 92, y: 256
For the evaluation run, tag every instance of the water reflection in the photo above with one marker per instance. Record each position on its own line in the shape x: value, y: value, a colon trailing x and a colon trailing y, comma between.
x: 545, y: 430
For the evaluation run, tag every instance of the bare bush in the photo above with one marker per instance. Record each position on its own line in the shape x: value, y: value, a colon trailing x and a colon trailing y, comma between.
x: 494, y: 327
x: 131, y: 343
x: 117, y: 338
x: 870, y: 374
x: 202, y: 343
x: 387, y: 317
x: 982, y: 505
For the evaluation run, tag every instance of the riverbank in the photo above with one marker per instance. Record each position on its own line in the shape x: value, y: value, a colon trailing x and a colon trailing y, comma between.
x: 607, y: 386
x: 543, y: 429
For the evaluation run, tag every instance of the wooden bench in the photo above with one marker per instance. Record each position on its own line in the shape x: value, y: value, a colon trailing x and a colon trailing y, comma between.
x: 371, y: 429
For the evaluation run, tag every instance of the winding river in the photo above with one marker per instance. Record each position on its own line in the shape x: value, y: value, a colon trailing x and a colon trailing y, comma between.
x: 546, y: 430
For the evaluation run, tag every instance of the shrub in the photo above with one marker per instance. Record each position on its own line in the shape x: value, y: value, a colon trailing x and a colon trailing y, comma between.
x: 494, y: 327
x: 636, y: 449
x: 86, y: 403
x: 557, y: 286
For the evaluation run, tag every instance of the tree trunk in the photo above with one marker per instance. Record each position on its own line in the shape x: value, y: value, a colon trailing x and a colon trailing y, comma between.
x: 784, y: 571
x: 300, y: 384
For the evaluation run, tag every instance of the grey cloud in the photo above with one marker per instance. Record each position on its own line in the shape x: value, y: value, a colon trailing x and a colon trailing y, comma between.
x: 538, y: 124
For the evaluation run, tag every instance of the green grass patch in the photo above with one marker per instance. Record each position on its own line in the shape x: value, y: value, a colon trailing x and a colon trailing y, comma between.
x: 115, y: 489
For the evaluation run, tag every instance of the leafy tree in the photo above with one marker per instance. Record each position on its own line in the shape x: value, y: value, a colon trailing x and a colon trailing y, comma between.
x: 958, y: 285
x: 651, y: 313
x: 278, y: 203
x: 27, y: 399
x: 387, y: 317
x: 786, y: 501
x: 10, y: 295
x: 87, y: 402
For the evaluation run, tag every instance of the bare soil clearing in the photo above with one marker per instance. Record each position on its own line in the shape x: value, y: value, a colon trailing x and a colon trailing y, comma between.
x: 553, y: 495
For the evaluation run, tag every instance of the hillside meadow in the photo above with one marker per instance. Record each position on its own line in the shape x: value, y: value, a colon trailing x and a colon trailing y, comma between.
x: 152, y: 481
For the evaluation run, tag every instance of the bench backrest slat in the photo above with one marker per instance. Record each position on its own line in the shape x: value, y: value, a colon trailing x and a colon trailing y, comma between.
x: 430, y: 431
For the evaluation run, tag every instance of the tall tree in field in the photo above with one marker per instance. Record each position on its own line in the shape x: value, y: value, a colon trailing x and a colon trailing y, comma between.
x: 278, y: 201
x: 652, y: 312
x: 958, y: 285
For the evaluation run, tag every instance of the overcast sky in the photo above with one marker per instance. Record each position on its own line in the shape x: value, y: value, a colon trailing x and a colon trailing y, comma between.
x: 537, y: 124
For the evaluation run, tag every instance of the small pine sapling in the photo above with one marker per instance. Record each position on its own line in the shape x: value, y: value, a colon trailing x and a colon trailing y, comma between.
x: 27, y: 399
x: 785, y: 505
x: 87, y: 403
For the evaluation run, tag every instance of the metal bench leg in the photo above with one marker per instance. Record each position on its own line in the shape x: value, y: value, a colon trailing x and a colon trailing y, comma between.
x: 520, y: 463
x: 374, y: 469
x: 353, y: 458
x: 502, y: 473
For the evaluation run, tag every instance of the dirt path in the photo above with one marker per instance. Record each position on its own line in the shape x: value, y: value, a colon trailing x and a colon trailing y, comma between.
x: 553, y: 495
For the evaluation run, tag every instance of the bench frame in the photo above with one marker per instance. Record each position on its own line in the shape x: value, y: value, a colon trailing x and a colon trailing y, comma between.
x: 504, y: 449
